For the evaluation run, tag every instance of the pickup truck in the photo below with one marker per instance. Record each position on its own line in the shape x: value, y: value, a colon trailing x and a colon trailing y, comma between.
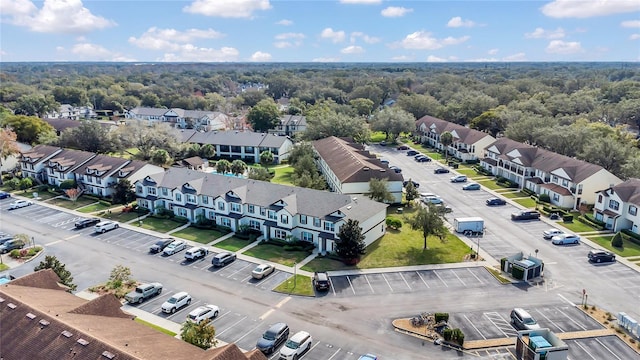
x: 142, y: 292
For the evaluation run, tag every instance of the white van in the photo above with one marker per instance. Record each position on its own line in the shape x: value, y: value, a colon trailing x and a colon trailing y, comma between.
x: 296, y: 345
x: 522, y: 320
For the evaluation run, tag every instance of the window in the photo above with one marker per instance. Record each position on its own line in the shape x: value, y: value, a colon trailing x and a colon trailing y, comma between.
x: 555, y: 179
x: 225, y: 222
x: 556, y: 197
x: 182, y: 212
x: 205, y: 199
x: 280, y: 234
x: 307, y: 236
x: 224, y: 148
x: 303, y: 219
x: 139, y: 189
x: 221, y: 206
x: 263, y: 211
x: 599, y: 198
x: 165, y: 191
x: 151, y: 190
x: 212, y: 215
x: 191, y: 199
x: 633, y: 210
x: 51, y: 171
x: 272, y: 215
x: 614, y: 204
x: 284, y: 219
x: 235, y: 207
x: 565, y: 183
x: 254, y: 224
x: 316, y: 222
x: 178, y: 197
x: 251, y: 209
x: 328, y: 226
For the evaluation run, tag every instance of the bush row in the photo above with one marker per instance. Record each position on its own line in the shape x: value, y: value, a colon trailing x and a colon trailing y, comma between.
x: 630, y: 236
x: 588, y: 221
x: 506, y: 183
x: 454, y: 335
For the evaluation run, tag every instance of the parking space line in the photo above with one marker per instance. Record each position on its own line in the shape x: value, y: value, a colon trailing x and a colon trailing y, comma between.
x: 606, y: 347
x: 474, y: 326
x: 475, y: 276
x: 572, y: 319
x: 389, y: 285
x: 405, y: 281
x: 237, y: 271
x: 438, y: 276
x: 454, y: 273
x: 313, y: 347
x: 494, y: 323
x: 234, y: 324
x: 585, y: 350
x: 334, y: 354
x: 567, y: 300
x: 425, y: 283
x: 370, y: 287
x: 266, y: 314
x: 351, y: 285
x: 551, y: 321
x: 247, y: 333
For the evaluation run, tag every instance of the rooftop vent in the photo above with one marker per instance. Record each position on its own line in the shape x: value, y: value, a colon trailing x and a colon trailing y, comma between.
x: 67, y: 334
x: 83, y: 342
x: 1, y: 300
x: 44, y: 322
x: 31, y: 316
x: 349, y: 207
x: 108, y: 355
x: 365, y: 169
x: 12, y: 305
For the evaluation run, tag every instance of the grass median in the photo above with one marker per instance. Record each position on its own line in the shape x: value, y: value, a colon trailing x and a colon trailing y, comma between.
x: 277, y: 254
x: 296, y: 285
x: 203, y: 236
x: 628, y: 248
x: 160, y: 225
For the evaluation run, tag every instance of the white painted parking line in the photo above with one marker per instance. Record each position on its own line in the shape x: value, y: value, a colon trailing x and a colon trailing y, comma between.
x: 232, y: 325
x: 572, y: 319
x: 438, y: 276
x: 351, y: 285
x: 567, y: 300
x: 370, y: 287
x: 247, y: 333
x: 312, y: 347
x: 606, y: 347
x: 405, y: 281
x: 474, y: 326
x: 425, y: 283
x: 551, y: 321
x: 237, y: 271
x: 494, y: 318
x: 334, y: 354
x: 475, y: 276
x: 53, y: 243
x: 585, y: 350
x: 389, y: 285
x: 282, y: 302
x: 454, y: 273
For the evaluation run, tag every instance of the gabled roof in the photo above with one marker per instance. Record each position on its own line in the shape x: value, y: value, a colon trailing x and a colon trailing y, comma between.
x: 146, y: 111
x: 131, y: 168
x: 234, y: 138
x: 351, y: 163
x: 102, y: 163
x: 72, y: 158
x: 62, y: 124
x: 533, y: 157
x: 45, y: 322
x: 628, y: 191
x: 461, y: 133
x: 39, y: 152
x: 293, y: 120
x: 305, y: 201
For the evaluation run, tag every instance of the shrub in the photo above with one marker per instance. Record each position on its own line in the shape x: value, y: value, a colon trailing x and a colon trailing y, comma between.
x: 165, y: 214
x: 68, y: 184
x: 529, y: 192
x: 631, y: 236
x: 544, y: 198
x: 458, y: 336
x: 441, y: 317
x: 447, y: 334
x: 567, y: 218
x: 617, y: 241
x: 180, y: 219
x: 394, y: 222
x: 594, y: 220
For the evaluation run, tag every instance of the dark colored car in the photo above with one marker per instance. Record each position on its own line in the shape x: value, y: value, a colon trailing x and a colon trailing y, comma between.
x: 406, y: 182
x: 160, y: 245
x: 412, y: 153
x: 83, y: 223
x: 598, y: 256
x: 11, y: 245
x: 525, y: 215
x: 441, y: 170
x: 383, y: 143
x: 321, y: 281
x: 423, y: 159
x: 396, y: 169
x: 403, y: 147
x: 4, y: 195
x: 496, y: 201
x: 4, y: 239
x: 273, y: 338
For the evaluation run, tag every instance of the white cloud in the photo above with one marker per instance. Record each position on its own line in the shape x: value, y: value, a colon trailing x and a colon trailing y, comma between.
x: 563, y: 47
x: 634, y: 37
x: 55, y: 16
x: 366, y: 38
x: 364, y: 2
x: 395, y: 11
x: 540, y: 33
x: 285, y: 36
x: 171, y: 39
x: 630, y: 24
x: 282, y: 44
x: 492, y: 51
x: 260, y: 56
x: 227, y: 8
x: 482, y: 60
x: 458, y: 22
x: 335, y: 36
x: 190, y: 53
x: 284, y: 40
x: 402, y: 58
x: 284, y: 22
x: 92, y: 52
x: 326, y: 59
x: 422, y: 40
x: 432, y: 58
x: 516, y: 57
x: 353, y: 49
x: 588, y: 8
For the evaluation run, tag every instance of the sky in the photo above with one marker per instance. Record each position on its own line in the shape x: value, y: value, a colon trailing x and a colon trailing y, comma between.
x: 319, y: 30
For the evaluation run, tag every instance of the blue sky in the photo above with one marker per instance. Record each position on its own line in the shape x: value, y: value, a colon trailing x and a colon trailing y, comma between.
x: 319, y: 31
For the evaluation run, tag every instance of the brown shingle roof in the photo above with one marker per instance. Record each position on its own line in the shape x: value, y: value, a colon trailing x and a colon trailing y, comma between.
x: 40, y: 151
x: 557, y: 189
x: 629, y: 191
x: 461, y: 133
x: 102, y: 163
x: 62, y: 124
x: 69, y: 157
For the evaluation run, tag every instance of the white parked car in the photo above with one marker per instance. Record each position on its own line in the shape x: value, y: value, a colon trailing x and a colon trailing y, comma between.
x: 19, y: 204
x: 104, y: 226
x: 458, y: 178
x: 176, y: 302
x: 565, y: 239
x: 205, y: 312
x: 195, y: 253
x: 548, y: 234
x: 174, y: 247
x: 262, y: 270
x: 432, y: 199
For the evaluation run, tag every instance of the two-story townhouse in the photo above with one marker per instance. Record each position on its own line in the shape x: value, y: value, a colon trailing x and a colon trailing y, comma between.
x: 569, y: 182
x: 243, y: 145
x: 33, y: 161
x: 62, y: 166
x: 290, y: 125
x: 348, y: 168
x: 277, y: 211
x: 617, y: 206
x: 468, y: 144
x: 197, y: 119
x: 147, y: 114
x: 100, y: 175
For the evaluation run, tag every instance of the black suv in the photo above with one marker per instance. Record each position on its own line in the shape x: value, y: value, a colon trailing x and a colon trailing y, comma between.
x: 321, y: 281
x: 441, y: 170
x: 83, y: 223
x: 273, y: 337
x: 599, y: 256
x: 160, y: 245
x: 525, y: 215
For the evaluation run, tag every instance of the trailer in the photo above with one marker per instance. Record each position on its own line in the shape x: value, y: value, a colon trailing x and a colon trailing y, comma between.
x: 469, y: 225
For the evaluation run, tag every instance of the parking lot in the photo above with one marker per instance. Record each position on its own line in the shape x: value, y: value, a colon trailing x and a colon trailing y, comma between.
x: 410, y: 281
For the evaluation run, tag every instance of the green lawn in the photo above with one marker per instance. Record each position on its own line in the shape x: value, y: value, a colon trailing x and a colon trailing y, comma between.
x: 203, y: 236
x: 576, y: 226
x: 490, y: 183
x: 159, y: 225
x: 283, y: 175
x: 44, y: 195
x: 96, y: 207
x: 298, y: 285
x: 468, y: 172
x: 277, y: 254
x: 233, y: 244
x: 377, y: 136
x: 3, y: 267
x: 628, y: 248
x: 156, y: 327
x: 118, y: 215
x: 528, y: 202
x: 517, y: 194
x: 68, y: 204
x: 325, y: 264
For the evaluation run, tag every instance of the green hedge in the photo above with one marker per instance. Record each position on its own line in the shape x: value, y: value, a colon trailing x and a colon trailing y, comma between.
x: 594, y: 220
x: 529, y: 192
x: 586, y: 220
x: 631, y: 236
x: 441, y: 317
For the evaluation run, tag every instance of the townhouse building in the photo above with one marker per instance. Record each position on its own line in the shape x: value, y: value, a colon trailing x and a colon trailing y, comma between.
x: 33, y: 161
x: 243, y: 145
x: 348, y: 168
x: 180, y: 118
x: 277, y: 211
x: 99, y: 175
x: 569, y: 182
x: 290, y: 125
x: 61, y: 167
x: 468, y: 144
x: 68, y: 111
x: 617, y: 206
